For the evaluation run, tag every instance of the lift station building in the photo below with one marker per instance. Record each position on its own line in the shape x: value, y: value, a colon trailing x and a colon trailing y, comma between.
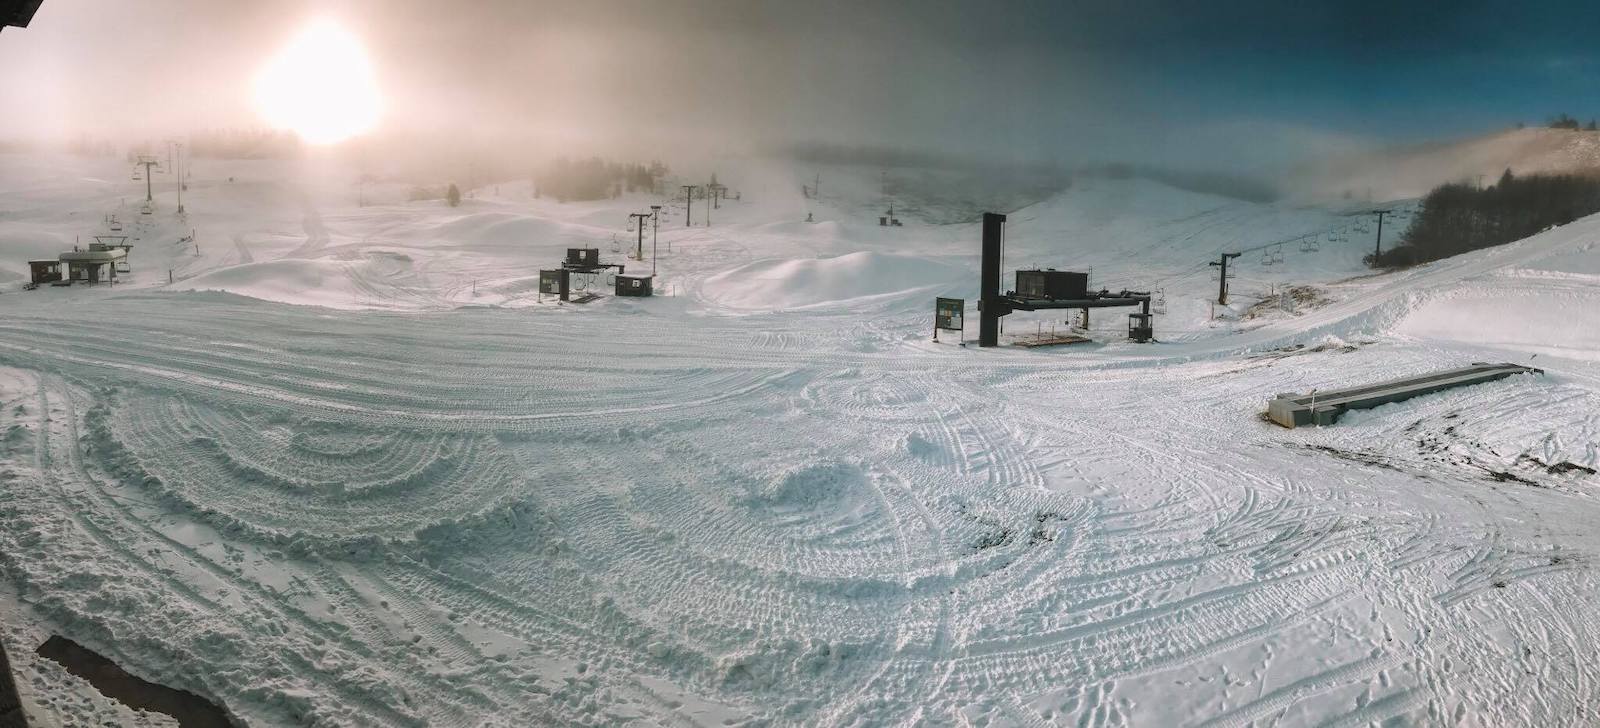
x: 94, y: 266
x: 1040, y: 290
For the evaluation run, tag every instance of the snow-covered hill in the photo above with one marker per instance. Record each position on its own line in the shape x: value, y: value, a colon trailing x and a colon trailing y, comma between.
x: 425, y: 497
x: 1409, y: 172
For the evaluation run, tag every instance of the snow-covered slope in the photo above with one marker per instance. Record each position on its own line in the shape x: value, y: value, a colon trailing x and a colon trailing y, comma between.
x: 771, y: 499
x: 800, y: 282
x: 1409, y: 172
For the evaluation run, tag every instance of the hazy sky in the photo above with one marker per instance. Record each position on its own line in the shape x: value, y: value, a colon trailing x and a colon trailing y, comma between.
x: 1147, y: 80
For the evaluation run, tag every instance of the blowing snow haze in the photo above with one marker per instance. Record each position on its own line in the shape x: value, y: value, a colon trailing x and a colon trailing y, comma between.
x: 1243, y: 86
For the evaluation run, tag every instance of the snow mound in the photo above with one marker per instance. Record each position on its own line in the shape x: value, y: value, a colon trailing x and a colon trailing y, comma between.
x: 496, y: 229
x: 287, y: 281
x: 797, y: 283
x: 24, y: 244
x: 1540, y: 296
x: 1516, y: 320
x: 377, y: 279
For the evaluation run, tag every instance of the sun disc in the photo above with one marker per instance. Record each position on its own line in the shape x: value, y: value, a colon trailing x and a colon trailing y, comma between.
x: 321, y: 86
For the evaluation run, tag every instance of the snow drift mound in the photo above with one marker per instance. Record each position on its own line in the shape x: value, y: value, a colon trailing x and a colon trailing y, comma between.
x: 22, y: 244
x: 1539, y: 296
x: 311, y: 282
x: 798, y: 283
x: 377, y: 279
x: 499, y: 229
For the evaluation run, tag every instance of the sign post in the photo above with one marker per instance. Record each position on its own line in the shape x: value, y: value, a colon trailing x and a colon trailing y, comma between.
x: 949, y: 314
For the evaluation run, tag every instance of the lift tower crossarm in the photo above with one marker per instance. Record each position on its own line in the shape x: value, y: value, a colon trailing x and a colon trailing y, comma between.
x: 1222, y: 278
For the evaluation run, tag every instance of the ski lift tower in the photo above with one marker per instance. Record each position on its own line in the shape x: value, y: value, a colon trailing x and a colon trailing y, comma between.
x: 177, y: 166
x: 636, y: 219
x: 688, y: 203
x: 148, y: 162
x: 1042, y: 290
x: 655, y: 232
x: 712, y: 191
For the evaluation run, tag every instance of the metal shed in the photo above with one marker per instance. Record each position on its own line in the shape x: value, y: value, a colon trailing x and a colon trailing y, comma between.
x: 557, y: 282
x: 630, y: 285
x: 582, y: 258
x: 1051, y: 284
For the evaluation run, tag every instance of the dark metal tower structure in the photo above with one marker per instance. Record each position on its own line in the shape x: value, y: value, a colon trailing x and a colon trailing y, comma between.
x: 1222, y: 278
x: 639, y: 218
x: 993, y: 303
x: 655, y: 233
x: 990, y: 305
x: 1377, y: 245
x: 148, y: 162
x: 688, y: 204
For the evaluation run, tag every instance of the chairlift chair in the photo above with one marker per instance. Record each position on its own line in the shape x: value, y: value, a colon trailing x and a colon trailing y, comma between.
x: 1277, y: 253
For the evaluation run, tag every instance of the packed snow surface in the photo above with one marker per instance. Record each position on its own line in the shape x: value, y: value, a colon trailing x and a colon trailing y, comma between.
x: 348, y: 468
x: 797, y: 283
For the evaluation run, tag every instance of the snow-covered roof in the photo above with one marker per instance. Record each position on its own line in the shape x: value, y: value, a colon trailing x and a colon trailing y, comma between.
x: 94, y: 256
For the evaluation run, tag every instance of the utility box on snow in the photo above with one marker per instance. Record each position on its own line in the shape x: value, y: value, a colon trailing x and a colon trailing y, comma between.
x: 635, y: 285
x: 556, y: 282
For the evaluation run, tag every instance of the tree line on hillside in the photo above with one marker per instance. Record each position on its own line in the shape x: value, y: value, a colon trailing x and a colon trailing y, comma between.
x: 1458, y: 218
x: 1562, y: 121
x: 594, y: 178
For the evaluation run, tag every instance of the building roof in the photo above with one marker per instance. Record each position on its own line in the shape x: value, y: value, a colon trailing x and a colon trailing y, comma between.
x: 94, y: 256
x: 18, y: 12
